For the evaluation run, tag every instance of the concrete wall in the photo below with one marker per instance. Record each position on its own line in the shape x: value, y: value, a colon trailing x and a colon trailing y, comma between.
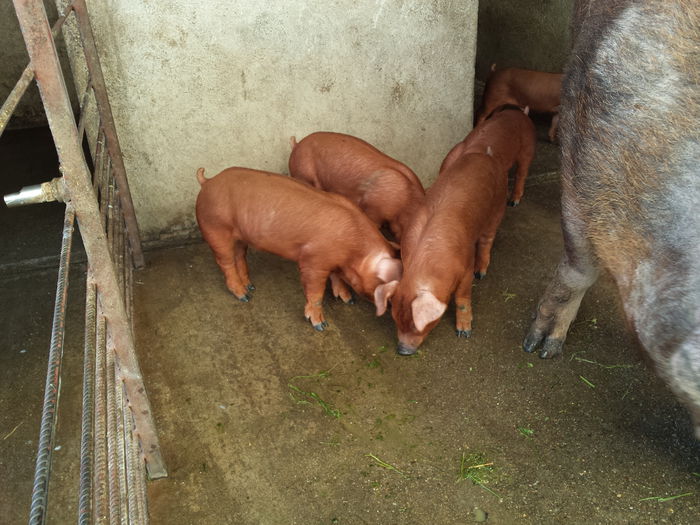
x: 228, y: 82
x: 533, y: 34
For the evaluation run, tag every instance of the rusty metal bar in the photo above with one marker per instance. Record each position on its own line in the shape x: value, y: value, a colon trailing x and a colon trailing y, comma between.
x: 49, y: 416
x: 101, y: 507
x: 42, y: 52
x: 110, y: 130
x: 112, y: 459
x: 83, y: 107
x: 132, y: 470
x: 87, y: 423
x: 121, y: 442
x: 13, y: 99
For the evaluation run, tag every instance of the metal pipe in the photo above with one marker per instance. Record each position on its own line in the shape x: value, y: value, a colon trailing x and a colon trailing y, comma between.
x: 49, y: 415
x: 12, y: 100
x: 54, y: 190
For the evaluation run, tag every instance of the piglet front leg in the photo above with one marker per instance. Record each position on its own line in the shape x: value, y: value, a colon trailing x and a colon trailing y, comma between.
x: 314, y: 283
x: 341, y: 290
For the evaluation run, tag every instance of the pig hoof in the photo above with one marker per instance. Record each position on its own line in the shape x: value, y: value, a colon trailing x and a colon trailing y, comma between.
x: 350, y: 301
x: 531, y: 341
x: 479, y: 275
x: 404, y: 349
x: 320, y: 327
x: 244, y: 299
x: 464, y: 333
x: 250, y: 287
x: 551, y: 348
x: 513, y: 204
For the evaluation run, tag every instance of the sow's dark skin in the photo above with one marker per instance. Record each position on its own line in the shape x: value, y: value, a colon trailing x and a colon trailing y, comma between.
x: 630, y: 152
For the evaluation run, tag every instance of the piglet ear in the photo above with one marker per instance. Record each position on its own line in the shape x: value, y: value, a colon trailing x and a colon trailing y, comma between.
x: 426, y: 308
x: 389, y: 269
x: 382, y: 294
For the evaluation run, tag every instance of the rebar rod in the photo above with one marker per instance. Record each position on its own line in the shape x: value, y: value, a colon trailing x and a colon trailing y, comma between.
x: 112, y: 467
x: 101, y: 511
x: 87, y: 433
x: 49, y: 416
x: 121, y: 443
x: 131, y: 472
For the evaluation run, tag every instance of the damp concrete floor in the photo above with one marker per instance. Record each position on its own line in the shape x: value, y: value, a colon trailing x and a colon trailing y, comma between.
x: 262, y: 420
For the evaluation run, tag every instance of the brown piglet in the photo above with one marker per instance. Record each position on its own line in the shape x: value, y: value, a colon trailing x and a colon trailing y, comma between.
x: 510, y: 135
x: 384, y: 188
x: 326, y: 234
x: 523, y: 87
x: 451, y: 240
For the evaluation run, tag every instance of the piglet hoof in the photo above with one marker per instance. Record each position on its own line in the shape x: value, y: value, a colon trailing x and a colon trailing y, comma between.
x: 320, y: 327
x: 513, y: 204
x: 244, y: 299
x: 551, y: 348
x: 464, y: 333
x: 479, y: 275
x: 404, y: 349
x: 350, y: 301
x: 250, y: 287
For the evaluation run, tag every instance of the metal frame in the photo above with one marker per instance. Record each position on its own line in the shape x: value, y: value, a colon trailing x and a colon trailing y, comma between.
x: 118, y: 432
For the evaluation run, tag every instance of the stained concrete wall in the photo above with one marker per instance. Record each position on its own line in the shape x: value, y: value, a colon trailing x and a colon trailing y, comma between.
x: 228, y: 82
x: 532, y: 34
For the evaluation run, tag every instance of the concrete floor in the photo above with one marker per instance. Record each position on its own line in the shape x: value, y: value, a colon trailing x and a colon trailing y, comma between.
x: 262, y: 420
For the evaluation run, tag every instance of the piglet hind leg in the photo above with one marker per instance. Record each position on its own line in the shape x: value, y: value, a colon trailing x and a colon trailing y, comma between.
x: 576, y: 272
x: 482, y: 258
x: 527, y: 153
x: 240, y: 249
x: 222, y: 244
x: 314, y: 283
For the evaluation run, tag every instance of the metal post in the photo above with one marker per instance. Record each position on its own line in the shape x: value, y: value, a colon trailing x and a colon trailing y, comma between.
x: 42, y: 52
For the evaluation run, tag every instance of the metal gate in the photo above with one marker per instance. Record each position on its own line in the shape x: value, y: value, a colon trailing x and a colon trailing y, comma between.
x: 119, y: 445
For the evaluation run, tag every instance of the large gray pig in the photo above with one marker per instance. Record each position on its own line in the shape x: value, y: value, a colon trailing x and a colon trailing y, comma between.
x: 631, y: 181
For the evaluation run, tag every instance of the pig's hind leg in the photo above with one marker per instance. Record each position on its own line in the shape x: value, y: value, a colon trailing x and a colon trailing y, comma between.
x: 482, y: 260
x: 576, y: 272
x: 222, y: 244
x: 314, y: 283
x: 525, y: 156
x: 240, y: 249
